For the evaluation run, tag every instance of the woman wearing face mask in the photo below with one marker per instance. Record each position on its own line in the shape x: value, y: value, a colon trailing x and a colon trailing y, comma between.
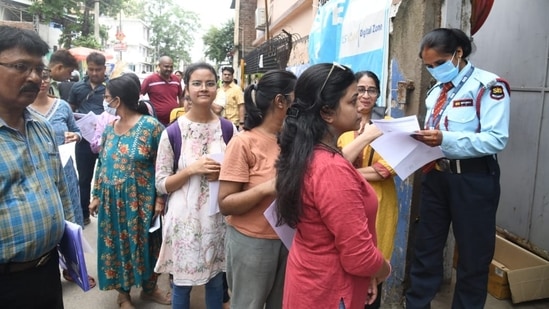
x: 124, y: 196
x: 108, y: 116
x: 468, y: 118
x: 104, y: 119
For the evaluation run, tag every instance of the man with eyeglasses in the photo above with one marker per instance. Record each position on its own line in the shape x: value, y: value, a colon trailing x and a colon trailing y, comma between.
x: 87, y: 96
x: 32, y: 184
x: 164, y: 90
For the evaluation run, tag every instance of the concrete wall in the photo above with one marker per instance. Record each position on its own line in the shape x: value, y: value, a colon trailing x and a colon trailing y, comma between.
x: 245, y: 24
x: 294, y: 16
x: 410, y: 21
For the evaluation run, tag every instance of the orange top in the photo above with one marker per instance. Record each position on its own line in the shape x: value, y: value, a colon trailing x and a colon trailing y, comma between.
x: 250, y: 159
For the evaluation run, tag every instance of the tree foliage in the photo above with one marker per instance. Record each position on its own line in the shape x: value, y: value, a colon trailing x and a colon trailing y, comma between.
x: 219, y: 43
x: 171, y: 29
x: 171, y: 26
x: 76, y: 17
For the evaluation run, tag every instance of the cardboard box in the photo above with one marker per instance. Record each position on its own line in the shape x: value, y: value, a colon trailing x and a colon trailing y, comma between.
x: 498, y: 284
x: 518, y: 273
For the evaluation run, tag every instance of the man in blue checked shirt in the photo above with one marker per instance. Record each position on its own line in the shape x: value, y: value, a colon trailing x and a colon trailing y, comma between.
x: 32, y: 184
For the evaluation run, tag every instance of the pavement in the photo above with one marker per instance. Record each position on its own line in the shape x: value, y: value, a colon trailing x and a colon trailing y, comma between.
x: 75, y: 298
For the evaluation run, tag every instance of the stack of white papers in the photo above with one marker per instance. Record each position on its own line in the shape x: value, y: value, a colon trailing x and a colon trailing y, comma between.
x: 284, y: 231
x: 403, y: 153
x: 86, y: 124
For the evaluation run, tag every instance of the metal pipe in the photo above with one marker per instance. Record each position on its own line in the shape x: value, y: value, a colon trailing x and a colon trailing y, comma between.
x: 96, y: 24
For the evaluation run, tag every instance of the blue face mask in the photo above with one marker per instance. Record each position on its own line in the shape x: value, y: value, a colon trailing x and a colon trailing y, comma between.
x: 445, y: 72
x: 108, y: 109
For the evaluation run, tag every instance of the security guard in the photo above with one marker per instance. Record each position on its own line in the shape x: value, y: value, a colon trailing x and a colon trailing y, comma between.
x: 468, y: 118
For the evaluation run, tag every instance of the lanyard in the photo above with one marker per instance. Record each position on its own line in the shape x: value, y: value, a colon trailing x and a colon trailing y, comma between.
x: 435, y: 119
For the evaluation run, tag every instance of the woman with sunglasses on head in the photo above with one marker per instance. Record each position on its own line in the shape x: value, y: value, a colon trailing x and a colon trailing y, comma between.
x: 333, y: 261
x: 125, y: 198
x: 256, y: 257
x: 356, y: 148
x: 468, y: 118
x: 193, y: 250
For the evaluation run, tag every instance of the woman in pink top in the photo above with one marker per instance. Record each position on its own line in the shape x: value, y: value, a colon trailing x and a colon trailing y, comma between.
x: 256, y: 258
x: 333, y: 261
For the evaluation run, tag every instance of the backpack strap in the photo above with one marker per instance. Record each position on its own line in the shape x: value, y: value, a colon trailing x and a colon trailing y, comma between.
x: 227, y: 129
x: 481, y: 93
x: 174, y: 135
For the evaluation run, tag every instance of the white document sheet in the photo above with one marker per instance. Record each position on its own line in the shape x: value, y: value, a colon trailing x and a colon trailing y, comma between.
x: 284, y: 232
x: 155, y: 225
x: 66, y: 151
x: 214, y: 187
x: 404, y: 153
x: 86, y: 123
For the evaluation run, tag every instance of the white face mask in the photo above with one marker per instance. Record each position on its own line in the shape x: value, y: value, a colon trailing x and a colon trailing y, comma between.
x: 108, y: 109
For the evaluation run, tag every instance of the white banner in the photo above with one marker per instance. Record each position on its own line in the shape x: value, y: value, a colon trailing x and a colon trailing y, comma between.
x: 354, y: 33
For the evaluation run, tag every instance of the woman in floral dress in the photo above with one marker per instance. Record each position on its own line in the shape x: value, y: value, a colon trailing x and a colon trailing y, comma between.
x: 124, y: 196
x: 193, y: 239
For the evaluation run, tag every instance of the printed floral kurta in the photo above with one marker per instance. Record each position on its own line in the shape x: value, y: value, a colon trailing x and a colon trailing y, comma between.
x: 193, y: 240
x: 124, y: 184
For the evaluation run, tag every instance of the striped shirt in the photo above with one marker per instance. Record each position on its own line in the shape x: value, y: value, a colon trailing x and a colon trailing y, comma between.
x: 32, y: 191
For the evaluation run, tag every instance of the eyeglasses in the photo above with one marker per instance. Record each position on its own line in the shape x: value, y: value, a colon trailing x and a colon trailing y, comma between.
x: 335, y: 64
x: 373, y: 92
x: 209, y: 84
x: 25, y: 69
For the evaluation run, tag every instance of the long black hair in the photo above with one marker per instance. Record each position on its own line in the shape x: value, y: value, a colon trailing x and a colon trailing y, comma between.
x: 319, y: 88
x: 127, y: 88
x: 258, y: 97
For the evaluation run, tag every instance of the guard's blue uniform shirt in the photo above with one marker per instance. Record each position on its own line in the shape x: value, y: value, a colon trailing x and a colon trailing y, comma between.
x: 459, y: 122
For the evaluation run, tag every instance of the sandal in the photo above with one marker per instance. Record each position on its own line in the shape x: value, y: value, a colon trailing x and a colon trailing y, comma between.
x: 67, y: 276
x: 158, y: 296
x: 124, y: 301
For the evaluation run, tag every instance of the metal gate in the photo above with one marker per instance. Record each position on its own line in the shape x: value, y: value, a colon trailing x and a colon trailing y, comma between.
x: 514, y: 43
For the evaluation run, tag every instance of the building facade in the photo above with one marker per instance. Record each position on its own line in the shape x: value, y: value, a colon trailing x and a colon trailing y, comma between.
x: 128, y: 40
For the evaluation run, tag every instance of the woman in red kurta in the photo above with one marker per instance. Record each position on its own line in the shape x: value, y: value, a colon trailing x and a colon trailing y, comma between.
x: 333, y: 261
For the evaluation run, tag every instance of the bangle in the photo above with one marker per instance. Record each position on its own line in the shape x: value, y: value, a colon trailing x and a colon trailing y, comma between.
x: 242, y: 122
